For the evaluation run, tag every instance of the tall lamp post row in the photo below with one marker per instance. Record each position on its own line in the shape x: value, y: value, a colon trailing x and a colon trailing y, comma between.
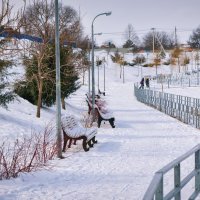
x: 89, y: 68
x: 93, y: 81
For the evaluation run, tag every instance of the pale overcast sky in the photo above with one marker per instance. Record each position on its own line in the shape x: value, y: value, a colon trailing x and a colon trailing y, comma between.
x: 164, y: 15
x: 142, y: 14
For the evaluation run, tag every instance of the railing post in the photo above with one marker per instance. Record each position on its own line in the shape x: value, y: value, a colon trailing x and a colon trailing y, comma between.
x: 159, y: 191
x: 197, y: 168
x: 181, y: 81
x: 177, y: 180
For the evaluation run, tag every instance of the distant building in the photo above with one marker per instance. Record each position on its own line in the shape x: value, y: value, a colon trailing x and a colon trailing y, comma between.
x: 186, y: 47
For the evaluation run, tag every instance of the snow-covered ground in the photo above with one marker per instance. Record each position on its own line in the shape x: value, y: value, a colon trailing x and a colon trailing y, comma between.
x: 122, y: 164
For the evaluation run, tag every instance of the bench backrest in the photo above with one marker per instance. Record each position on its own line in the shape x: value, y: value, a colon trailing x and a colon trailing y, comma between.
x: 69, y: 122
x: 90, y: 104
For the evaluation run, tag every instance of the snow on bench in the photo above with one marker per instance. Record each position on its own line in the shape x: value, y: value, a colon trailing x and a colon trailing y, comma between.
x: 107, y: 116
x: 72, y: 130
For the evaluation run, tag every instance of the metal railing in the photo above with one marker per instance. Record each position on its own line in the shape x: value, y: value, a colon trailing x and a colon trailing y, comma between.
x: 156, y: 187
x: 184, y: 82
x: 185, y: 109
x: 180, y: 80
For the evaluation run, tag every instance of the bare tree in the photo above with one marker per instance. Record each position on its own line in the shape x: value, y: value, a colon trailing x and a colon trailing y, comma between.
x: 165, y: 39
x: 119, y: 59
x: 132, y: 40
x: 39, y: 20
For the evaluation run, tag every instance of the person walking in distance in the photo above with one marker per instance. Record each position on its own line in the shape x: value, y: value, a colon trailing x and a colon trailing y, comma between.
x: 147, y: 82
x: 142, y: 84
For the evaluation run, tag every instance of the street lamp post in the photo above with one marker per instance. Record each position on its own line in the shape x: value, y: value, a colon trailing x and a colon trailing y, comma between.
x: 93, y: 81
x: 97, y: 64
x: 153, y: 29
x: 58, y: 89
x: 104, y: 75
x: 89, y: 68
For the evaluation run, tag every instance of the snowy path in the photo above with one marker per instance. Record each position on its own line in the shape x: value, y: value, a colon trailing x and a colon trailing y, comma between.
x: 120, y: 166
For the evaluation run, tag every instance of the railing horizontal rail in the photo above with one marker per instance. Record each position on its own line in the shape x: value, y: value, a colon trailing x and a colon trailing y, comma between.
x: 155, y: 189
x: 179, y: 159
x: 173, y: 192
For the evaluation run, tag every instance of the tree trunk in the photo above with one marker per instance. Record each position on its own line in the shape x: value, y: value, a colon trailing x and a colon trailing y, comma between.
x: 123, y: 75
x: 39, y: 103
x: 63, y: 103
x: 179, y: 70
x: 120, y: 72
x: 83, y: 76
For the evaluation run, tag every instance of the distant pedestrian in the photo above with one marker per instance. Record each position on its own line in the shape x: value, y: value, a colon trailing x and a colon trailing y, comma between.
x: 147, y: 82
x: 142, y: 84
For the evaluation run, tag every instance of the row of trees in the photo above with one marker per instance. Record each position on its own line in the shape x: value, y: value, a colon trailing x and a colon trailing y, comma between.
x: 168, y: 40
x: 132, y: 40
x: 38, y: 19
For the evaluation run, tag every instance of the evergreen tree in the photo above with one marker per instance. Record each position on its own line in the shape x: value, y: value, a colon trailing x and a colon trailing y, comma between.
x: 132, y: 40
x: 28, y: 89
x: 128, y: 44
x: 6, y: 95
x: 69, y: 75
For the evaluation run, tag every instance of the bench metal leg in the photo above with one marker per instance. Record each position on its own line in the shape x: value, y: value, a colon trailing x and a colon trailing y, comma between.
x: 90, y: 143
x: 70, y: 142
x: 93, y: 140
x: 99, y: 121
x: 64, y: 144
x: 111, y: 121
x: 85, y: 145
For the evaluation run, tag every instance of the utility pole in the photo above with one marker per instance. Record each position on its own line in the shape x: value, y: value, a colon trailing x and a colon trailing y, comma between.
x: 175, y: 37
x: 153, y: 29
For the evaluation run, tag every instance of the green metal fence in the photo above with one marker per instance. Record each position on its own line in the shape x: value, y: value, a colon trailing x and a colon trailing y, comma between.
x: 185, y: 109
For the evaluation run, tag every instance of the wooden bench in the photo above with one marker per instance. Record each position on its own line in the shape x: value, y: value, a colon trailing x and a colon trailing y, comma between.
x: 100, y: 92
x: 72, y: 130
x: 101, y: 116
x: 104, y: 117
x: 90, y: 106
